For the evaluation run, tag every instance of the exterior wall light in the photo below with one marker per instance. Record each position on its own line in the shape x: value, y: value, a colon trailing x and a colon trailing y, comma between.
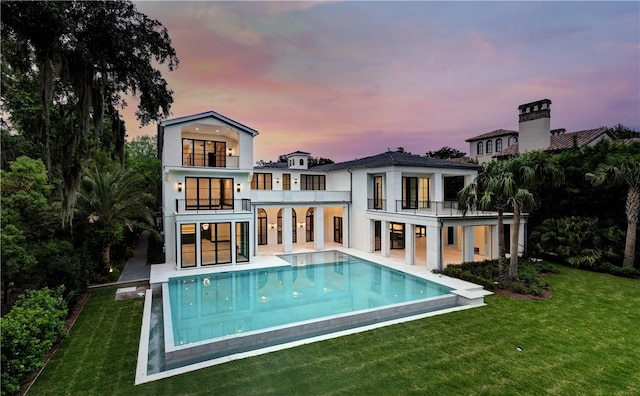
x: 230, y: 152
x: 301, y: 225
x: 272, y: 225
x: 179, y: 187
x: 238, y: 187
x: 277, y: 180
x: 205, y: 226
x: 295, y: 181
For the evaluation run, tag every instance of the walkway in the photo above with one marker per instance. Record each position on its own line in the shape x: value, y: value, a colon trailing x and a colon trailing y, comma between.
x: 137, y: 267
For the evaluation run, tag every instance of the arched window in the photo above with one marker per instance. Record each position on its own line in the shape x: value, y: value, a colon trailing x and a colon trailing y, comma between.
x: 489, y: 147
x: 480, y: 148
x: 498, y: 145
x: 309, y: 221
x: 301, y: 162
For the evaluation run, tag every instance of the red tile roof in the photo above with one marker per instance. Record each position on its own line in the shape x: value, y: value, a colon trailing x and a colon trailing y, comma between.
x: 496, y: 133
x: 566, y: 140
x: 562, y: 141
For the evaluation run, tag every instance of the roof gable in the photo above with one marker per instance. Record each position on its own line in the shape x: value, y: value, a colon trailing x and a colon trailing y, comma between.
x: 208, y: 114
x: 492, y: 134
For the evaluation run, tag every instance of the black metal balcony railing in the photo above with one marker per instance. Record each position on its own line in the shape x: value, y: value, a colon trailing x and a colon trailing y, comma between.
x: 216, y: 205
x: 438, y: 208
x: 210, y: 161
x: 377, y: 204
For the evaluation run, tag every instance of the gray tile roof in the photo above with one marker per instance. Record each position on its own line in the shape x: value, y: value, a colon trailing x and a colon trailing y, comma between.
x: 394, y: 158
x: 496, y: 133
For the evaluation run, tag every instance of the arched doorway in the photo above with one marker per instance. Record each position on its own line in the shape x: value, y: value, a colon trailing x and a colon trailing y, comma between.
x: 310, y: 224
x: 262, y: 227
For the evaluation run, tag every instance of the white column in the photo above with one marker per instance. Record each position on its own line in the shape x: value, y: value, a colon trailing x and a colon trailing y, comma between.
x: 467, y: 243
x: 409, y: 244
x: 318, y: 230
x: 385, y: 243
x: 438, y: 188
x: 434, y: 251
x: 287, y: 230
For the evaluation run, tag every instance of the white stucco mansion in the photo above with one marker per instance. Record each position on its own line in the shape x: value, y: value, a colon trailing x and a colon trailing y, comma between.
x: 218, y: 209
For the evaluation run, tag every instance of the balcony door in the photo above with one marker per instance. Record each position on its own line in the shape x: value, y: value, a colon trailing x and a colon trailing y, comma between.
x: 377, y: 192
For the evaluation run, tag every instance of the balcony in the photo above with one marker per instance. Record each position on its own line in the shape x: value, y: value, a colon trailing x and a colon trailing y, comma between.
x: 377, y: 204
x: 434, y: 208
x: 209, y: 206
x: 210, y: 161
x: 306, y: 196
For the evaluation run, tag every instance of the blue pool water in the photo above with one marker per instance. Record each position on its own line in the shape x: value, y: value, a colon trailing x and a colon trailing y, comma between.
x: 314, y: 286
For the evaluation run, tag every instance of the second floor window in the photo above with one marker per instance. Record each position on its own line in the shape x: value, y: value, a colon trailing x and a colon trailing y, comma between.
x: 489, y: 147
x: 498, y: 145
x: 261, y: 181
x: 286, y: 181
x: 204, y: 153
x: 312, y: 182
x: 209, y: 193
x: 480, y: 148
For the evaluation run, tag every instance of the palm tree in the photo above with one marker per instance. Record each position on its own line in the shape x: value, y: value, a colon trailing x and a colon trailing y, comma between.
x: 531, y: 170
x: 492, y: 190
x: 627, y: 172
x: 112, y: 200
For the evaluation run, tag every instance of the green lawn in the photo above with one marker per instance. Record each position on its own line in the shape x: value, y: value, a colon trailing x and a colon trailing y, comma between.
x: 584, y: 340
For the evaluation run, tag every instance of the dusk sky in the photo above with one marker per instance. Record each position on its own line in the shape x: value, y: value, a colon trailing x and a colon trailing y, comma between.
x: 345, y: 80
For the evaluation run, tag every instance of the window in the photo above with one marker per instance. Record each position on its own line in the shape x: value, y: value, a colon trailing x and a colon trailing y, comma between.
x: 489, y: 147
x: 301, y: 162
x: 312, y: 182
x: 452, y: 186
x: 480, y: 148
x: 377, y: 235
x: 397, y: 235
x: 209, y: 193
x: 498, y: 145
x: 204, y: 153
x: 242, y: 242
x: 286, y: 181
x: 187, y: 245
x: 261, y: 181
x: 262, y: 227
x: 512, y: 140
x: 337, y: 229
x: 215, y: 243
x: 415, y: 192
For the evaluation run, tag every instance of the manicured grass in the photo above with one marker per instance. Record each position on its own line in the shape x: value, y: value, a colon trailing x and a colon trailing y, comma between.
x: 584, y: 340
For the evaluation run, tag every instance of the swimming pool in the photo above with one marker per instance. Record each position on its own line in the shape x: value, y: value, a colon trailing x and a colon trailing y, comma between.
x: 217, y: 314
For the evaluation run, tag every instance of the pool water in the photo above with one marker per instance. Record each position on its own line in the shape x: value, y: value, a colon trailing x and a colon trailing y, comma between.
x: 314, y: 286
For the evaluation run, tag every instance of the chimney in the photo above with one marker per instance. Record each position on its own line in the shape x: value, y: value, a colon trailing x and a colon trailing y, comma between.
x: 535, y: 126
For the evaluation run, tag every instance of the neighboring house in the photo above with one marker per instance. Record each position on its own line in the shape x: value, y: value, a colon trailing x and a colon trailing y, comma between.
x: 220, y: 210
x: 534, y: 134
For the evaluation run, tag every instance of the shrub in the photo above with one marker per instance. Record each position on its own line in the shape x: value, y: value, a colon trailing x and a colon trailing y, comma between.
x: 29, y: 331
x: 485, y: 273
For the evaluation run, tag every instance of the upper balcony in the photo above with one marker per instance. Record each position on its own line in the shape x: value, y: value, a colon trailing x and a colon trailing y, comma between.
x: 213, y: 206
x: 210, y: 160
x: 305, y: 196
x: 425, y: 208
